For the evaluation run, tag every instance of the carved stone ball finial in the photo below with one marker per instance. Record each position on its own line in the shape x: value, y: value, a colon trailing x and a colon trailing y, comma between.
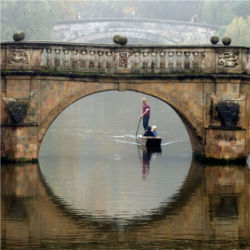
x: 18, y: 36
x: 226, y: 41
x: 121, y: 40
x: 214, y: 39
x: 116, y: 39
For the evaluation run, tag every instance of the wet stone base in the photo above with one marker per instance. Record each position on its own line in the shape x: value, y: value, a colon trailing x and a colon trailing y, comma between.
x: 9, y: 159
x: 213, y: 161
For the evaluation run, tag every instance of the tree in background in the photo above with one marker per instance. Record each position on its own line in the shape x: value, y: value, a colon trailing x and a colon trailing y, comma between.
x: 35, y: 18
x: 233, y: 15
x: 217, y: 12
x: 239, y: 28
x: 32, y: 17
x: 239, y: 31
x: 155, y: 9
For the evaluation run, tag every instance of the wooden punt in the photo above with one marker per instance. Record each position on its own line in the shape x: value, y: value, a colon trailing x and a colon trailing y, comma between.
x: 151, y: 143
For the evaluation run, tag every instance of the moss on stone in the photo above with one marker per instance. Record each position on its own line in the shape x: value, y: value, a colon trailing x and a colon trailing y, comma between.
x: 131, y: 75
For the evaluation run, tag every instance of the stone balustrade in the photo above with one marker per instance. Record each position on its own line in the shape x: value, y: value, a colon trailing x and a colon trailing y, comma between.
x: 67, y: 58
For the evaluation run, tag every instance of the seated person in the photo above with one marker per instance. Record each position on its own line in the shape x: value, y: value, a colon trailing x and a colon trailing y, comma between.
x: 148, y: 132
x: 154, y: 130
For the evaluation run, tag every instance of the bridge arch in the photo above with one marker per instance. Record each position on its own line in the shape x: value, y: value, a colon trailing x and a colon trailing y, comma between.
x: 190, y: 121
x: 201, y: 83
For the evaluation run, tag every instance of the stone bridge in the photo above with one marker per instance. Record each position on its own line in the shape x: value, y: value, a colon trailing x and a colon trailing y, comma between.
x: 208, y: 87
x: 147, y: 30
x: 212, y: 204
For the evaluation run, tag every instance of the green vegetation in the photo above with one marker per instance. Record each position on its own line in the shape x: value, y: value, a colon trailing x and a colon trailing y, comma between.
x: 234, y: 15
x: 36, y: 18
x: 239, y: 31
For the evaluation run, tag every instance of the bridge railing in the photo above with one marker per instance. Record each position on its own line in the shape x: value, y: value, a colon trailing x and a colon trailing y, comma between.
x: 67, y: 58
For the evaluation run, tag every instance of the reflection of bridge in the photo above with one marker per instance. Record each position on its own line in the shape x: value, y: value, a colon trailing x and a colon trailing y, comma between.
x: 207, y: 86
x: 207, y: 199
x: 150, y: 30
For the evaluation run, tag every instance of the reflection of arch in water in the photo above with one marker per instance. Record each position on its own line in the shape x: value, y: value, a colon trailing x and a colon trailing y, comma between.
x: 50, y: 218
x: 192, y: 181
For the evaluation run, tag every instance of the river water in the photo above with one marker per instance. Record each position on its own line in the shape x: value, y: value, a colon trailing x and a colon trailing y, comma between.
x: 95, y: 188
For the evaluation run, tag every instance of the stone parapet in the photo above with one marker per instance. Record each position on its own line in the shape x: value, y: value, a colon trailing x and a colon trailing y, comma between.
x: 130, y: 59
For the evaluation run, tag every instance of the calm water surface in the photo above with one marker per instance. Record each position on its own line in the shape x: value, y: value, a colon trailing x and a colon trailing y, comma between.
x: 95, y: 188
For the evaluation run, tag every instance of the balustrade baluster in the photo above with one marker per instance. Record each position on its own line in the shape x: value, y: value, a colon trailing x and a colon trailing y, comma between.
x: 91, y: 59
x: 154, y: 60
x: 66, y: 58
x: 162, y: 60
x: 109, y: 60
x: 85, y: 60
x: 136, y: 60
x: 202, y: 61
x: 101, y: 60
x: 74, y: 59
x: 49, y: 58
x: 187, y: 60
x: 170, y: 60
x: 178, y: 60
x: 195, y: 60
x: 57, y: 58
x: 80, y: 60
x: 145, y: 60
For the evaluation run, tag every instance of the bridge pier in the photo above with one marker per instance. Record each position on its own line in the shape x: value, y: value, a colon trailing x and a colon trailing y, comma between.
x: 226, y: 121
x: 19, y: 143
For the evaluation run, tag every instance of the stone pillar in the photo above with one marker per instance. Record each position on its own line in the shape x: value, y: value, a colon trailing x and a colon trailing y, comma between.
x: 19, y: 120
x: 19, y: 143
x: 226, y: 122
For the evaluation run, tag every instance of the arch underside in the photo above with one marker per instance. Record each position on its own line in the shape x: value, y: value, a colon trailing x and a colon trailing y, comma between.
x: 191, y: 122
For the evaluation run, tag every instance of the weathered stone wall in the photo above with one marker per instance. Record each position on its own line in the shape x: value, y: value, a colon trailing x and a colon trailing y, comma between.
x: 207, y: 86
x: 48, y: 96
x: 51, y: 95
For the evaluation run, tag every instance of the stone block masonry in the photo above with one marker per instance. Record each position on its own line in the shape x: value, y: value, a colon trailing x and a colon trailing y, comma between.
x: 208, y: 87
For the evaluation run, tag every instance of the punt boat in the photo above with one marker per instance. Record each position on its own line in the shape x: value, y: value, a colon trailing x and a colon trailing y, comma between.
x: 151, y: 143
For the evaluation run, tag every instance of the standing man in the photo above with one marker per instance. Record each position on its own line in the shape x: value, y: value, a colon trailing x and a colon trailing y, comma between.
x: 145, y: 113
